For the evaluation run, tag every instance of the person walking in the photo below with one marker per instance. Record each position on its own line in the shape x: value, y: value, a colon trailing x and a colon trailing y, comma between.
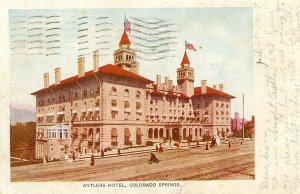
x: 92, y: 160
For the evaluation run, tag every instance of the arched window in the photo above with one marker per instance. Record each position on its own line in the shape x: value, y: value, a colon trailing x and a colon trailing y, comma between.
x: 138, y: 94
x: 150, y: 133
x: 126, y: 93
x: 155, y: 133
x: 139, y: 136
x: 114, y: 137
x: 113, y: 91
x: 127, y: 136
x: 161, y: 133
x: 184, y: 133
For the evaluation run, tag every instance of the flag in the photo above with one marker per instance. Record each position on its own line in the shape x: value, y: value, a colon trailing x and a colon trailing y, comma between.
x: 189, y: 46
x: 127, y: 26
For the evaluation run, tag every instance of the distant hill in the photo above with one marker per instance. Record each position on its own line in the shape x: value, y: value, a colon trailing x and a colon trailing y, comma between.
x: 21, y: 115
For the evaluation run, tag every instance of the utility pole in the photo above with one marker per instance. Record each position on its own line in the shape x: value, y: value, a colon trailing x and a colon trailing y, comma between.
x: 243, y: 122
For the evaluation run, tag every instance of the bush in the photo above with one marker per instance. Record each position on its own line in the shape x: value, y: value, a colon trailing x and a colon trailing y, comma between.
x: 149, y: 143
x: 206, y: 138
x: 138, y: 142
x: 114, y: 143
x: 128, y: 143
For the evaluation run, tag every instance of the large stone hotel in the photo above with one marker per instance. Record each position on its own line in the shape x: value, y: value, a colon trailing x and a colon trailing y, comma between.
x: 113, y: 106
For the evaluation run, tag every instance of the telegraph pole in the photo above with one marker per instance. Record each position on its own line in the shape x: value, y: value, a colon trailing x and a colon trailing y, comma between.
x: 243, y: 122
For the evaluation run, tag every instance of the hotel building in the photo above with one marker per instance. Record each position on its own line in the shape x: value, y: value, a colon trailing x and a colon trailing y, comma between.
x: 113, y: 106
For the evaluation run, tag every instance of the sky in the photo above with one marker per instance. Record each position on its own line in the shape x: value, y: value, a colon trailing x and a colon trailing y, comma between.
x: 41, y: 40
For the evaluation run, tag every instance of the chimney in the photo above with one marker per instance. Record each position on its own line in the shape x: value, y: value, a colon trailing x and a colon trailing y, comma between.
x: 221, y: 86
x: 81, y: 68
x: 46, y: 80
x: 96, y: 60
x: 203, y: 86
x: 57, y: 75
x: 171, y: 85
x: 158, y: 81
x: 215, y: 87
x: 167, y: 83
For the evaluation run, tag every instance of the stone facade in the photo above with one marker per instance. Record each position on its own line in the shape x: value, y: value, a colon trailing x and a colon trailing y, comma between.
x: 114, y: 107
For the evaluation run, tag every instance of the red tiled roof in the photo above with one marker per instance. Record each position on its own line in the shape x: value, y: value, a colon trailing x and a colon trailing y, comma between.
x: 171, y: 95
x: 108, y: 69
x: 183, y: 96
x: 210, y: 91
x: 185, y: 59
x: 156, y: 92
x: 124, y: 39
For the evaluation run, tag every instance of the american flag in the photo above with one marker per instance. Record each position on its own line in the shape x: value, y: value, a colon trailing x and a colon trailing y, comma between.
x: 127, y: 26
x: 189, y: 46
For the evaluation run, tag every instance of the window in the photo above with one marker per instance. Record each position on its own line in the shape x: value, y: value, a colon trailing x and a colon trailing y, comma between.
x: 227, y: 105
x: 113, y: 115
x: 114, y: 136
x: 138, y: 105
x: 126, y: 93
x: 113, y: 91
x: 126, y: 104
x: 151, y: 101
x: 217, y: 104
x: 57, y: 133
x: 84, y: 93
x: 114, y: 103
x: 91, y: 92
x: 138, y: 94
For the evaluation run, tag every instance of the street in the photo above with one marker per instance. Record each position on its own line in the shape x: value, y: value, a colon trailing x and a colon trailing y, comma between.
x: 218, y: 163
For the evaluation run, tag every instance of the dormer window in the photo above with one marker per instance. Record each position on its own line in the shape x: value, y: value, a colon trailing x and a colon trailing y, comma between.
x: 138, y: 94
x: 126, y: 93
x: 113, y: 91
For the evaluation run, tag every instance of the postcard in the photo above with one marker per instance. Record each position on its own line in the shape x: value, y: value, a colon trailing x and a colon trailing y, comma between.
x: 165, y: 98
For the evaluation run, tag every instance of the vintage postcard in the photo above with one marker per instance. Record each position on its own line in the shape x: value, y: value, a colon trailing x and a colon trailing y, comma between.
x: 180, y: 99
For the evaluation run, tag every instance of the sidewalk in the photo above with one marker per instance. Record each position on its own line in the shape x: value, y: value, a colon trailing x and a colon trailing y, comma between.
x: 140, y: 150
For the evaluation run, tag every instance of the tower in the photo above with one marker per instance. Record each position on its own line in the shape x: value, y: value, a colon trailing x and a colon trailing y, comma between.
x: 185, y: 76
x: 125, y: 57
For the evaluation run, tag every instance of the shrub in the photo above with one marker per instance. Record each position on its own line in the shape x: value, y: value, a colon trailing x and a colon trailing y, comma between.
x: 138, y: 142
x: 149, y: 143
x: 206, y: 138
x: 114, y: 143
x: 128, y: 143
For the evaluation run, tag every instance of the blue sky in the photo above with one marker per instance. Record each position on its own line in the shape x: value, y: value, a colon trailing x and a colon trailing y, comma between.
x: 225, y: 35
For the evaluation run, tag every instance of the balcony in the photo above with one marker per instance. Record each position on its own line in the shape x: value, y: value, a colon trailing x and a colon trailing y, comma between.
x: 74, y: 111
x: 61, y: 113
x: 50, y: 114
x: 139, y: 110
x: 115, y: 109
x: 96, y: 109
x: 39, y: 115
x: 127, y: 110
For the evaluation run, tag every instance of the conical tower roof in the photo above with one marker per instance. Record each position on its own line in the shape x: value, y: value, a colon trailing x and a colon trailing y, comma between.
x: 124, y: 39
x: 185, y: 59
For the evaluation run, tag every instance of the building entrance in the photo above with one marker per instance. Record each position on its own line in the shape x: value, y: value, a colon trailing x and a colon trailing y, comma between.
x: 175, y: 134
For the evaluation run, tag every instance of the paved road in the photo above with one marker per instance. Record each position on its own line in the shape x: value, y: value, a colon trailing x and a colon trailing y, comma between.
x: 217, y: 163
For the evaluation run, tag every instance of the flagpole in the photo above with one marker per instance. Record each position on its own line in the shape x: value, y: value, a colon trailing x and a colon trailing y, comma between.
x: 243, y: 122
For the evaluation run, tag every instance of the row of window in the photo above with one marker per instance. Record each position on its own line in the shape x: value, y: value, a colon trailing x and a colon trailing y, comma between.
x: 171, y: 103
x: 57, y: 133
x: 113, y: 92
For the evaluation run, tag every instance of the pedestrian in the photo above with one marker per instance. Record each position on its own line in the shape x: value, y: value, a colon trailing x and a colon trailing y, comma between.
x: 119, y: 151
x: 197, y: 143
x: 206, y: 145
x: 73, y: 155
x: 161, y: 149
x: 92, y: 160
x: 156, y: 147
x: 229, y: 145
x: 102, y: 153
